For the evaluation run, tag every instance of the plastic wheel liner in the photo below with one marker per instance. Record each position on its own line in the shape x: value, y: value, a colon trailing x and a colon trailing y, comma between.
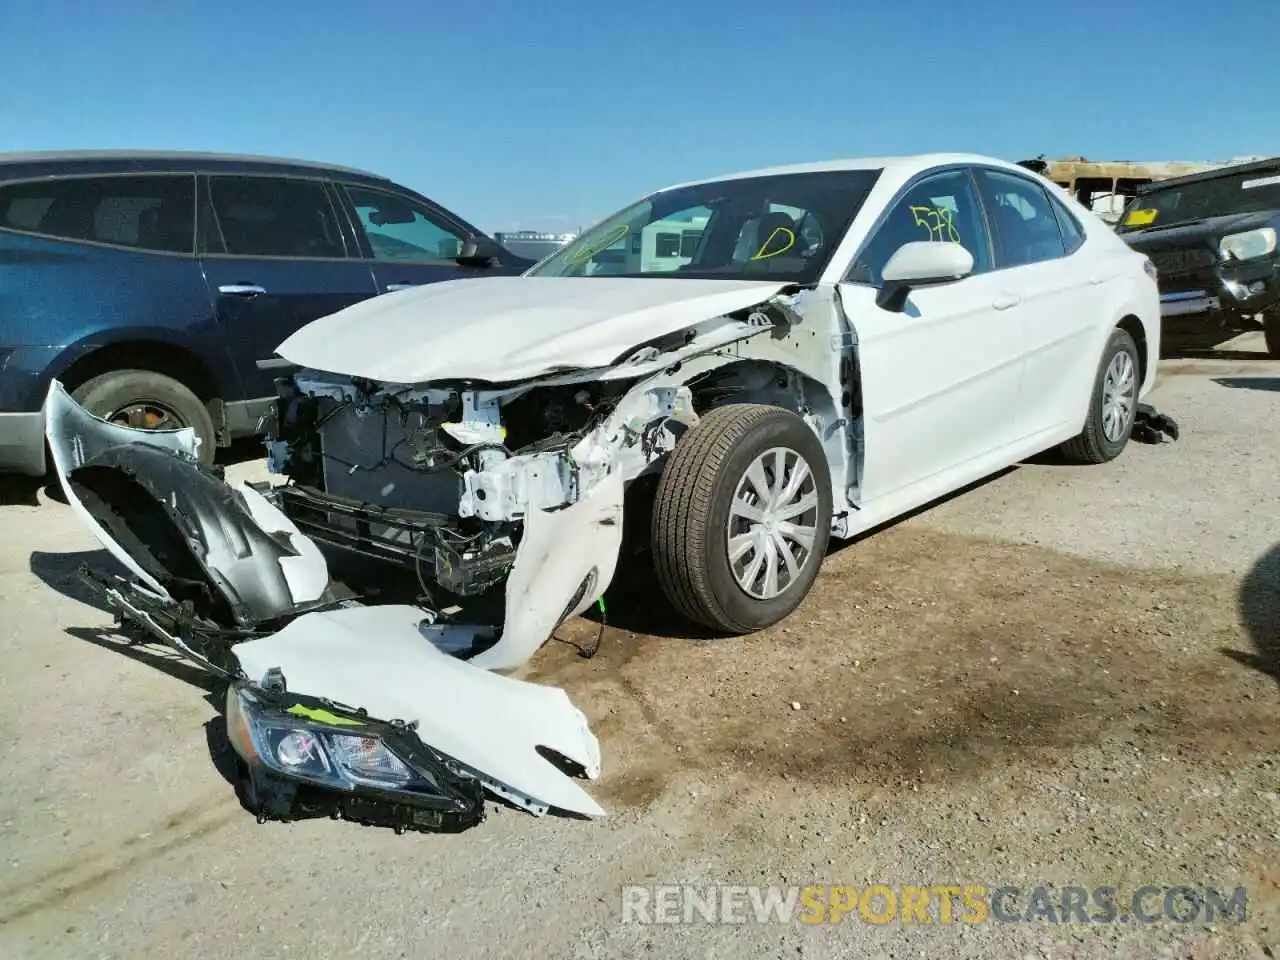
x: 224, y: 578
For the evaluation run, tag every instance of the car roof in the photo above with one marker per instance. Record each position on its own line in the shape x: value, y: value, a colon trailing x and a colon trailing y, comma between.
x: 1268, y: 164
x: 905, y: 165
x: 56, y: 162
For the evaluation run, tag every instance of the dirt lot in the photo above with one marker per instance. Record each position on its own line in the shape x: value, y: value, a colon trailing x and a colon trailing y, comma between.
x: 1065, y: 676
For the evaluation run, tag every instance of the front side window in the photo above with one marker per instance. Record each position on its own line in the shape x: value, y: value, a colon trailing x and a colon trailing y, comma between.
x: 399, y: 229
x: 1026, y: 228
x: 154, y: 212
x: 274, y: 217
x: 943, y: 207
x: 778, y: 227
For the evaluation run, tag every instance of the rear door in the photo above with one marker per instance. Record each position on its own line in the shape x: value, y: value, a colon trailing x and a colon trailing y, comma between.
x: 1062, y: 288
x: 274, y: 259
x: 408, y: 242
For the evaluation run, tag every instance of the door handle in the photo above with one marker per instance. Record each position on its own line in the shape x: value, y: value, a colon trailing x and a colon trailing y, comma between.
x: 393, y: 287
x: 1005, y: 300
x: 1097, y: 280
x: 241, y: 289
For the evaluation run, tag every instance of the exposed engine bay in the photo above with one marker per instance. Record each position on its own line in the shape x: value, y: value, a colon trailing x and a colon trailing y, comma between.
x: 438, y: 480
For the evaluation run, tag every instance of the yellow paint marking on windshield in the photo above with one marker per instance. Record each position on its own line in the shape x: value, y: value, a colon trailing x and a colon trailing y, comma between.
x: 590, y: 250
x: 790, y: 242
x: 1140, y: 218
x: 938, y: 222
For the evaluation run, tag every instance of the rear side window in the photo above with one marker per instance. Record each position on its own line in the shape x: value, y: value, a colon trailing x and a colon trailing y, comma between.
x: 144, y: 212
x: 1026, y: 227
x: 273, y: 217
x: 1072, y: 232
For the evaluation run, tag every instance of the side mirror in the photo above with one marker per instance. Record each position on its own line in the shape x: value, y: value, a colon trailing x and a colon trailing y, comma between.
x: 471, y: 255
x: 921, y: 263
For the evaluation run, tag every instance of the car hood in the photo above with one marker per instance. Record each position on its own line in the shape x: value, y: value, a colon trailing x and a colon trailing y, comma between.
x: 502, y: 329
x: 1198, y: 233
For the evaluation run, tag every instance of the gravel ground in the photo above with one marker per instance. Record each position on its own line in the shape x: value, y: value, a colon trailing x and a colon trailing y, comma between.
x: 1065, y: 676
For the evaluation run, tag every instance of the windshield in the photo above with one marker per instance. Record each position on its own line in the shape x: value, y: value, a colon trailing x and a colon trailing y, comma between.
x: 781, y: 227
x: 1236, y: 193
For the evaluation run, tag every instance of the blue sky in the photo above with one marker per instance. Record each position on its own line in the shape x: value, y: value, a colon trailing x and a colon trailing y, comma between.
x: 550, y: 117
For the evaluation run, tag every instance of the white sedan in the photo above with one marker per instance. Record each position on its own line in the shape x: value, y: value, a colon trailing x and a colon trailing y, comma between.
x: 792, y: 354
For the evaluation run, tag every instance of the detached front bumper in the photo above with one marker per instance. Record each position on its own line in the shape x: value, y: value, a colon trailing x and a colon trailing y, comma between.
x: 224, y: 578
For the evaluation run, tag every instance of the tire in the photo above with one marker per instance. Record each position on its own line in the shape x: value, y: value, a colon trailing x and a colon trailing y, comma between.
x: 112, y: 393
x: 1271, y: 332
x: 692, y: 513
x: 1092, y: 445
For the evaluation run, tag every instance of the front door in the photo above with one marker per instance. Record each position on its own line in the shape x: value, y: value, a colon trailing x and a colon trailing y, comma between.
x: 940, y: 380
x: 274, y: 260
x: 408, y: 242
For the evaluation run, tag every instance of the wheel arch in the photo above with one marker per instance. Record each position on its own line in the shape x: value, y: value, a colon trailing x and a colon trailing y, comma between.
x: 778, y: 384
x: 83, y: 362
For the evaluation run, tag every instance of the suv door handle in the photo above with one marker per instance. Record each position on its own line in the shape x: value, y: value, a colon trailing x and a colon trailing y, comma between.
x: 393, y: 287
x: 241, y: 289
x: 1005, y: 300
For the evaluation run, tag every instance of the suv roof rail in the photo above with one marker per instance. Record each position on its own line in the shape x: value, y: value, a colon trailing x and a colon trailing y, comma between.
x: 53, y: 156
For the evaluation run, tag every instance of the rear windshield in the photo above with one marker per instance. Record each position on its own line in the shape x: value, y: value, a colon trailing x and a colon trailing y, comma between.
x: 1229, y: 194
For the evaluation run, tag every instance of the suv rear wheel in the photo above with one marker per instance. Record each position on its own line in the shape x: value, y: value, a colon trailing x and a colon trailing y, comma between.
x: 149, y: 401
x: 741, y: 518
x: 1271, y: 331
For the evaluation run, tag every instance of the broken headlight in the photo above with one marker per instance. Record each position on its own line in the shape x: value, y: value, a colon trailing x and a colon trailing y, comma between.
x: 305, y: 759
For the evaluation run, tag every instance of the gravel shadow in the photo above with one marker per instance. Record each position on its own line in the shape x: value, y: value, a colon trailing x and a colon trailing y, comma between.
x: 1268, y: 384
x: 1259, y: 607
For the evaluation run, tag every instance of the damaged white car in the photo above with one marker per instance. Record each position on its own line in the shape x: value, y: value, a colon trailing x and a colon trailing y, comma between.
x: 792, y: 354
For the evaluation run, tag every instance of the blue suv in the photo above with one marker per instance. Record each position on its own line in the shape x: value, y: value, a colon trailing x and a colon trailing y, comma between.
x: 151, y: 284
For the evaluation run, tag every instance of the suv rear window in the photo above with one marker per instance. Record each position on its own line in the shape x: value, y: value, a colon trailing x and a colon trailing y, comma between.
x: 275, y: 217
x: 146, y: 212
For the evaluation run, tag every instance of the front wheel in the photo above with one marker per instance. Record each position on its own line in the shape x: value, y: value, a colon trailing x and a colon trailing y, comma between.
x: 1113, y: 405
x: 741, y: 518
x: 147, y: 400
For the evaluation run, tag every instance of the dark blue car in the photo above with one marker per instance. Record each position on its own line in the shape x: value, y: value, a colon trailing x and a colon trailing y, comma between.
x: 150, y: 284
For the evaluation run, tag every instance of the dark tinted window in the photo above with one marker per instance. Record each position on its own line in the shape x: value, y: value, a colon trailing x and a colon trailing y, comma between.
x: 399, y: 229
x: 1026, y: 228
x: 146, y: 212
x: 1072, y: 232
x: 942, y: 207
x: 1227, y: 193
x: 274, y: 217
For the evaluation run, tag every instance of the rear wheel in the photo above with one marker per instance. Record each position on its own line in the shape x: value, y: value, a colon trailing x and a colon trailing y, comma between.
x: 1271, y: 331
x: 1113, y: 405
x: 741, y: 518
x: 148, y: 401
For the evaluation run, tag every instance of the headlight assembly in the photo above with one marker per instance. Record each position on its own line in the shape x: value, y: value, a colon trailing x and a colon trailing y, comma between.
x: 304, y: 759
x: 1248, y: 245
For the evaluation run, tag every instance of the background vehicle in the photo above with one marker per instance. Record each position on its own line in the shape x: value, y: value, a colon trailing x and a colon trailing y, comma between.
x: 533, y: 244
x: 150, y: 284
x: 1105, y: 186
x: 1212, y: 237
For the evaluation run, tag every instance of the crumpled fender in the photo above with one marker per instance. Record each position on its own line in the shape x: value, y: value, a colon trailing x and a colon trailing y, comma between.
x: 378, y: 659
